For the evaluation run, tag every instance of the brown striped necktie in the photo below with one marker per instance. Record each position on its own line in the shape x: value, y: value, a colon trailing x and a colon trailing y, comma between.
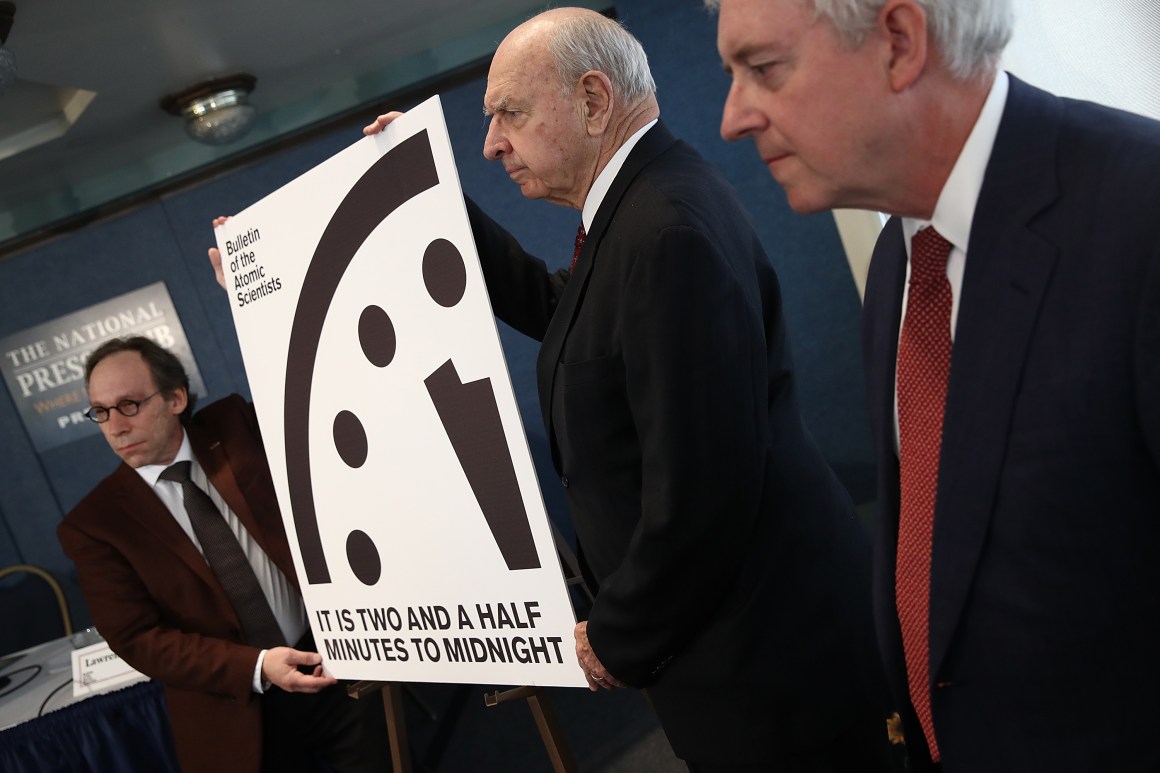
x: 228, y: 561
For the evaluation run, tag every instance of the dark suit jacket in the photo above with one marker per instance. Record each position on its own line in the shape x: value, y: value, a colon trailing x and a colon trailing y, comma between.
x: 1045, y: 577
x: 157, y: 602
x: 733, y: 578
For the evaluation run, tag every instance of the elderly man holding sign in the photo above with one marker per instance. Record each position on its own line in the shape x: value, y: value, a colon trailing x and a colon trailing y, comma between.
x: 731, y: 575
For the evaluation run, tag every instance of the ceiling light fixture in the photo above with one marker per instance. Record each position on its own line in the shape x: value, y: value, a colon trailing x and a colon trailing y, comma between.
x: 216, y: 112
x: 7, y: 58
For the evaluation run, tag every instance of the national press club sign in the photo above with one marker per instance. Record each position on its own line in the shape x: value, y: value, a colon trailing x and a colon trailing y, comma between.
x: 44, y: 366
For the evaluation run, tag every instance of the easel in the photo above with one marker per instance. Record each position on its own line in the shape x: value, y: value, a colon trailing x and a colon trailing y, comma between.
x: 396, y: 722
x: 555, y: 742
x: 544, y: 713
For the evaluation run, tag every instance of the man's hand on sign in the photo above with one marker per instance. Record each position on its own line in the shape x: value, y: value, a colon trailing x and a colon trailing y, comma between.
x: 594, y: 671
x: 380, y: 123
x: 280, y: 667
x: 215, y: 255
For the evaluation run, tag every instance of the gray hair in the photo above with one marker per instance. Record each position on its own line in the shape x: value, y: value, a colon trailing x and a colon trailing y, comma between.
x: 593, y: 42
x: 970, y: 35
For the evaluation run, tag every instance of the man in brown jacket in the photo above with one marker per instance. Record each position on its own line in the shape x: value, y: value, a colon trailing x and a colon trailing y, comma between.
x: 239, y: 699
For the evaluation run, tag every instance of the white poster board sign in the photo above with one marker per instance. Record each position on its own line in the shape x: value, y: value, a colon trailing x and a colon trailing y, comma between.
x: 396, y: 448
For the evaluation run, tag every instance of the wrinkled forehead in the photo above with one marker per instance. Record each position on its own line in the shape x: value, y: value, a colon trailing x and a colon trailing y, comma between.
x: 120, y: 375
x: 518, y: 72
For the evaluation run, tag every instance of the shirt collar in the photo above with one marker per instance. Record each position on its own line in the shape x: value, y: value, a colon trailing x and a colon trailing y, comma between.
x: 604, y: 180
x: 151, y: 472
x: 955, y: 210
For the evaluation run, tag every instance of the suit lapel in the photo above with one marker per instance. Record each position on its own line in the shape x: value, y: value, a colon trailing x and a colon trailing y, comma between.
x: 883, y: 315
x: 652, y: 144
x: 881, y: 319
x: 212, y: 457
x: 138, y: 502
x: 1007, y: 271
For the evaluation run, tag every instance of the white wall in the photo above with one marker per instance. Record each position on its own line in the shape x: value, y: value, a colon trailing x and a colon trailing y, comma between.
x: 1107, y: 51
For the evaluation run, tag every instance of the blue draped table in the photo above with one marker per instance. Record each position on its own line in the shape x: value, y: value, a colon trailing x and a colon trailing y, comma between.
x: 125, y: 731
x: 48, y: 730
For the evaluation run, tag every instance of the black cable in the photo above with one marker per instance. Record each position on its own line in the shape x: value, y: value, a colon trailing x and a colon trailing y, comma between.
x: 55, y: 690
x: 35, y: 669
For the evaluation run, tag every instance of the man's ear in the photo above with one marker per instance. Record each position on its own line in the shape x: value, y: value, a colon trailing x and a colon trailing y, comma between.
x: 596, y: 91
x: 903, y: 23
x: 178, y: 399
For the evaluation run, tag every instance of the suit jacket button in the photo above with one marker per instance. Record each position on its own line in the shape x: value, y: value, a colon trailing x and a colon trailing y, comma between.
x: 564, y: 480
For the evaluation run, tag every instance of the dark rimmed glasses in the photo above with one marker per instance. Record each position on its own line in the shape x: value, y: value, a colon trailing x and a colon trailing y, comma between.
x: 100, y: 414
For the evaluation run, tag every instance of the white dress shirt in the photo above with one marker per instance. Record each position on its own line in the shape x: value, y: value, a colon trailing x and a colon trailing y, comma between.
x: 604, y: 180
x: 955, y: 210
x: 284, y: 601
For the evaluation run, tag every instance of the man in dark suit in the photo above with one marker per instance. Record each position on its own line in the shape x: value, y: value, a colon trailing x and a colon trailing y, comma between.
x: 731, y: 575
x: 156, y: 588
x: 1013, y: 367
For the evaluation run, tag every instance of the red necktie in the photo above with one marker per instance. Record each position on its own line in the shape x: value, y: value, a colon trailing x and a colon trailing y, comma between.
x: 579, y: 245
x: 924, y: 365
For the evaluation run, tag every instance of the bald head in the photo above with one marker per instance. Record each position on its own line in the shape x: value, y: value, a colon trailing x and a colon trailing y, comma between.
x: 564, y: 92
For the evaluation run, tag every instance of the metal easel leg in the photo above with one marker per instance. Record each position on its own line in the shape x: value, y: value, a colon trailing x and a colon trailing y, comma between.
x: 396, y: 721
x: 551, y: 733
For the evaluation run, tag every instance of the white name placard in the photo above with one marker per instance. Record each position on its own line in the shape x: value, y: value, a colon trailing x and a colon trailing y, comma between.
x: 96, y: 668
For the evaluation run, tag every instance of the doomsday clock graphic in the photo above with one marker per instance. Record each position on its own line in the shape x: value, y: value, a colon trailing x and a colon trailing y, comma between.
x: 410, y: 500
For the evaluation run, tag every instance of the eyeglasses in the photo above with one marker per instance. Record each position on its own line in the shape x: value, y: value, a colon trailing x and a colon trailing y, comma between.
x: 100, y: 414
